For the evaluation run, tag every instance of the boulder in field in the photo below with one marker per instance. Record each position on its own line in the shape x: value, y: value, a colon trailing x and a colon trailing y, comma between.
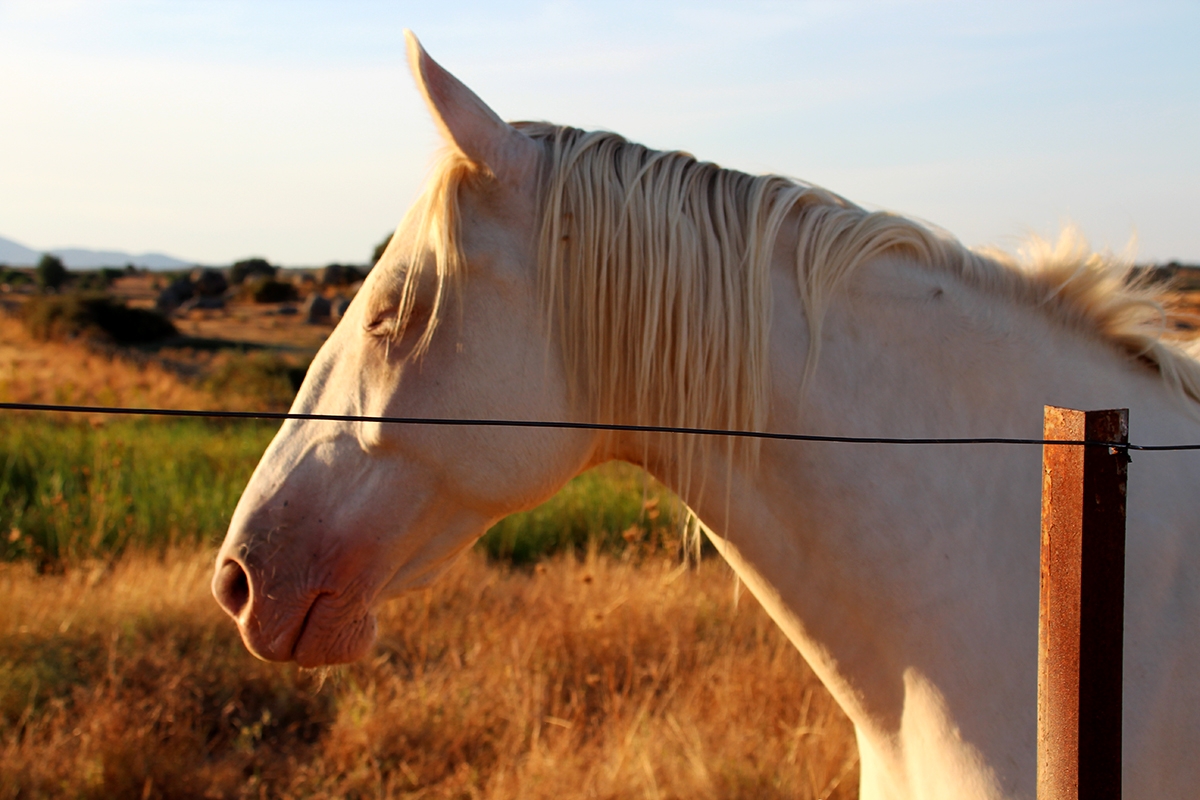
x: 316, y: 308
x: 208, y: 282
x: 177, y: 292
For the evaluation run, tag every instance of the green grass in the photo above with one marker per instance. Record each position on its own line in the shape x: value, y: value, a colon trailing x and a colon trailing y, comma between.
x: 615, y: 508
x: 71, y: 492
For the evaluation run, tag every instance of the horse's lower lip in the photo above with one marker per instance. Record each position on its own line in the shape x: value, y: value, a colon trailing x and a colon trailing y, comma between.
x: 325, y: 637
x: 303, y: 627
x: 281, y: 643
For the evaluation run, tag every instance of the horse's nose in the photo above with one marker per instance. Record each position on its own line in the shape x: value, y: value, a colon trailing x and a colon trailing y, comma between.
x: 231, y: 587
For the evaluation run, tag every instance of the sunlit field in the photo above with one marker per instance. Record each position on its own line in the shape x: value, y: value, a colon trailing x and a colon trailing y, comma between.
x: 578, y: 677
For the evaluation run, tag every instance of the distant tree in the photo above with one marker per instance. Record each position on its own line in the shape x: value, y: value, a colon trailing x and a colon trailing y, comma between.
x: 14, y: 277
x: 331, y: 275
x: 51, y: 274
x: 379, y: 248
x: 93, y: 315
x: 340, y: 275
x: 250, y: 267
x: 272, y: 291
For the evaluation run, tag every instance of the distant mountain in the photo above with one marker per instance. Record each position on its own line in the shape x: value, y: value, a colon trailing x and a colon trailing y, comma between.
x: 18, y: 255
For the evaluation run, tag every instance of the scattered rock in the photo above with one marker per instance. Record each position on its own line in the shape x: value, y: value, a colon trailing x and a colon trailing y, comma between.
x: 177, y: 292
x: 208, y: 282
x: 317, y: 308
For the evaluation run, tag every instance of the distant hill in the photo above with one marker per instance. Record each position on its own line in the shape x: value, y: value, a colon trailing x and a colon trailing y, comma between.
x: 18, y: 255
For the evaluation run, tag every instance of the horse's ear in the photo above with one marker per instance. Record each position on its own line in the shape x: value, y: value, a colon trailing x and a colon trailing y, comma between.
x: 466, y: 121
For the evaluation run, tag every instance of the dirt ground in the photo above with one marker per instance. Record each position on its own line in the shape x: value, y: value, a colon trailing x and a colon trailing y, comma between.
x: 66, y: 372
x: 264, y: 324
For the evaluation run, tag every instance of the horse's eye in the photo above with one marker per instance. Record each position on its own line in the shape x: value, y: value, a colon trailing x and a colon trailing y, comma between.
x: 384, y: 323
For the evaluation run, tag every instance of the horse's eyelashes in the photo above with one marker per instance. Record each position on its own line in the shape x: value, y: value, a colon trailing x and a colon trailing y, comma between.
x: 381, y: 322
x: 385, y: 324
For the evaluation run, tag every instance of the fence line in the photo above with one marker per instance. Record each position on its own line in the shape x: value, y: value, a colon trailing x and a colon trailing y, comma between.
x: 1114, y: 446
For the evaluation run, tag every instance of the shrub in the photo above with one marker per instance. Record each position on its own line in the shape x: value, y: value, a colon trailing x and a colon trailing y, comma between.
x: 268, y: 290
x: 275, y: 292
x: 51, y: 274
x: 341, y: 275
x: 250, y: 267
x: 97, y: 280
x: 14, y: 277
x: 93, y: 315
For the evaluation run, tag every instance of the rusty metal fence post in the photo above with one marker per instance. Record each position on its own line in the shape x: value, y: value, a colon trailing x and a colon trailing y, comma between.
x: 1081, y: 616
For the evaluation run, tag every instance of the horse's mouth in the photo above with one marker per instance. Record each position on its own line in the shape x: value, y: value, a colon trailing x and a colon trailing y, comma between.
x: 325, y: 637
x: 318, y: 627
x: 304, y: 623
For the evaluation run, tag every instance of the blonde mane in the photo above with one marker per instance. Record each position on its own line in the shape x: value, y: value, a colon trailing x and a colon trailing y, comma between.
x: 655, y: 268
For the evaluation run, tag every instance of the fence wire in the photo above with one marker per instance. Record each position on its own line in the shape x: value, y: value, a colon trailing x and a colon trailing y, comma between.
x: 1116, y: 447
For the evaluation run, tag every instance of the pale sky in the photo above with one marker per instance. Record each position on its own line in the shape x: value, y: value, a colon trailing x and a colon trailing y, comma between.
x: 213, y: 130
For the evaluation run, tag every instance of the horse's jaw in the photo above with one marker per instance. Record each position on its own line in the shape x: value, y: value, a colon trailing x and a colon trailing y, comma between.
x: 311, y: 553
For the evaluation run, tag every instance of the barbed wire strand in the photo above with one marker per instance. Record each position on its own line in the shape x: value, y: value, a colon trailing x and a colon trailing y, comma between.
x: 592, y: 426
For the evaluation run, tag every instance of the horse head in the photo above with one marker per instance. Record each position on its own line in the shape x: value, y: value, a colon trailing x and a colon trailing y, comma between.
x: 340, y: 515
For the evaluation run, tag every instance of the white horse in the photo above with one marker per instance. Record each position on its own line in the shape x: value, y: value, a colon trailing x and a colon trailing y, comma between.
x: 553, y: 274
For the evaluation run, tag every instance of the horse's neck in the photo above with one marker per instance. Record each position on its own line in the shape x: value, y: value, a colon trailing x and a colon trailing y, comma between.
x: 907, y: 576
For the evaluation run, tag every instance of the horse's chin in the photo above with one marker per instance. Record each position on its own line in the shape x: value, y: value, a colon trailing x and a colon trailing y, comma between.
x: 326, y: 638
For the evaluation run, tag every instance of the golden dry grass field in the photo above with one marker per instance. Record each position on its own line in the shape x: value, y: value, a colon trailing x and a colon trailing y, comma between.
x: 578, y: 678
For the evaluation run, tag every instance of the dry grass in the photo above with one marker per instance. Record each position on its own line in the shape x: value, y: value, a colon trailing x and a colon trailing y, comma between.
x: 573, y: 679
x: 82, y: 373
x: 67, y: 372
x: 255, y: 324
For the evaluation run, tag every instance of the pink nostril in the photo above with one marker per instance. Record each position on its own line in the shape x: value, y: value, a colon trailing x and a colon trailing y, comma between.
x: 231, y: 587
